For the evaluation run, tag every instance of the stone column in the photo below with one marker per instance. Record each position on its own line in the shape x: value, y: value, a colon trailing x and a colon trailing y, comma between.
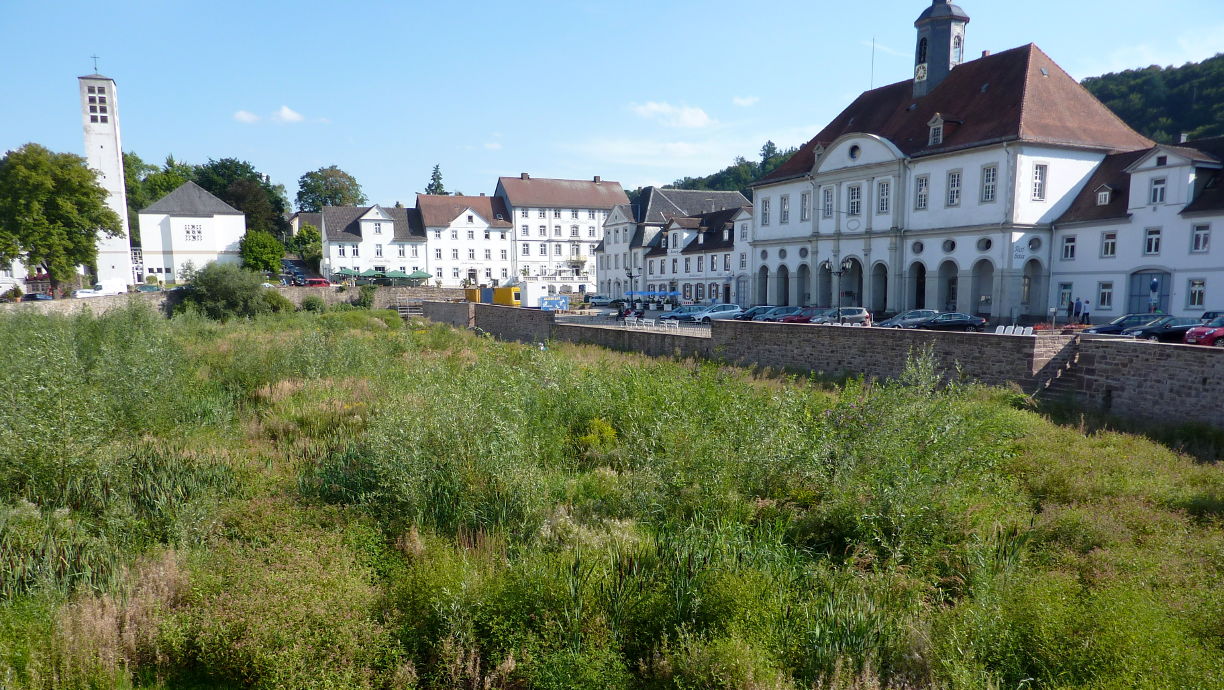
x: 964, y: 292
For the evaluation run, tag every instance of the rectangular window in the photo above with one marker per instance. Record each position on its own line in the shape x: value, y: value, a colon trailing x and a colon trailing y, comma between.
x: 471, y: 234
x: 454, y: 253
x: 990, y: 183
x: 543, y: 249
x: 573, y: 231
x: 936, y: 135
x: 954, y: 188
x: 556, y: 231
x: 488, y: 273
x: 688, y: 265
x: 650, y: 267
x: 543, y: 231
x: 556, y: 213
x: 504, y: 255
x: 743, y: 261
x: 1103, y: 197
x: 883, y: 197
x: 675, y: 264
x: 437, y: 253
x: 454, y: 272
x: 354, y: 250
x: 1197, y: 294
x: 403, y: 251
x: 1105, y: 296
x: 1109, y: 245
x: 1068, y: 248
x: 765, y: 211
x: 922, y: 192
x: 526, y: 212
x: 454, y: 234
x: 826, y: 204
x: 1200, y: 239
x: 488, y: 254
x: 526, y: 231
x: 526, y: 250
x: 784, y: 209
x: 1040, y: 173
x: 378, y: 228
x: 340, y: 249
x: 574, y: 214
x: 590, y: 215
x: 805, y: 200
x: 1156, y: 194
x: 590, y: 231
x: 1151, y: 241
x: 437, y: 234
x: 556, y: 250
x: 505, y: 273
x: 543, y: 213
x: 854, y: 200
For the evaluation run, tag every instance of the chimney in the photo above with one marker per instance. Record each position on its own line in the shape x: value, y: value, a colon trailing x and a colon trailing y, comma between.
x: 597, y: 179
x: 1185, y: 136
x: 482, y: 194
x: 985, y: 53
x: 524, y: 176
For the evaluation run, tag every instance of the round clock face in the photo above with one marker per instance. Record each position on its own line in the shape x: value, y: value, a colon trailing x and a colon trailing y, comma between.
x: 920, y: 72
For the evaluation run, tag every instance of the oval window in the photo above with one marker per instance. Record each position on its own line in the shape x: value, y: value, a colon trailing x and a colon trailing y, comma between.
x: 949, y: 246
x: 781, y: 253
x: 855, y: 152
x: 985, y: 244
x: 803, y: 252
x: 1034, y: 244
x: 917, y: 247
x: 764, y: 254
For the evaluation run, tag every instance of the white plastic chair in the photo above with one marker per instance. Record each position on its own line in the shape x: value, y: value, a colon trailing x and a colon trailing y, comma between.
x: 1028, y: 330
x: 630, y: 321
x: 856, y: 324
x: 1000, y: 330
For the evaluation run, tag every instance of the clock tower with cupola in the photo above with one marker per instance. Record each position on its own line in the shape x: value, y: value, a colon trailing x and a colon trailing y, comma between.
x: 941, y: 44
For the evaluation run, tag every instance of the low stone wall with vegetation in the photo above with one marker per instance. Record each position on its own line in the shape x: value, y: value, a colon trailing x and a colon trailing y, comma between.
x: 460, y: 314
x: 384, y: 297
x: 161, y: 301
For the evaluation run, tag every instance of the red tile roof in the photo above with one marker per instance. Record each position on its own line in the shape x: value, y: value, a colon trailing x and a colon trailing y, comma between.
x: 561, y: 193
x: 438, y: 210
x: 1016, y: 95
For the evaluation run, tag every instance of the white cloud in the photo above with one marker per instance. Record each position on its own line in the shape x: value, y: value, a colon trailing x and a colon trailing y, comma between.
x: 687, y: 117
x: 287, y: 114
x: 493, y: 146
x: 246, y: 116
x: 745, y: 101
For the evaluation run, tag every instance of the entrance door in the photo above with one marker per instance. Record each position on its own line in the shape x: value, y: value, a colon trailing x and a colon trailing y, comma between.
x: 1149, y: 292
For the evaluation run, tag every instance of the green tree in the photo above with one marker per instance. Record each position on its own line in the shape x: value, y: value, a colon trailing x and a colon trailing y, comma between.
x: 328, y: 186
x: 51, y: 209
x: 240, y: 185
x: 135, y: 171
x: 308, y: 243
x: 435, y: 185
x: 1165, y: 102
x: 226, y: 291
x: 168, y: 178
x: 261, y: 251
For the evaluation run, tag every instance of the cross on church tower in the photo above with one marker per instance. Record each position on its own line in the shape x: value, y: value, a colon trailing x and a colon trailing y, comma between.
x: 95, y: 59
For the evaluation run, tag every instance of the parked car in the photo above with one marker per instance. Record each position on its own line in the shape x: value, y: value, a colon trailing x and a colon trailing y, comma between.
x: 951, y: 321
x: 804, y: 315
x: 1170, y: 329
x: 903, y: 319
x: 598, y: 300
x: 754, y: 312
x: 1210, y: 333
x: 776, y: 314
x: 148, y: 288
x: 1211, y: 315
x: 714, y: 312
x: 36, y: 297
x: 318, y: 282
x: 679, y: 312
x: 267, y: 285
x: 1122, y: 323
x: 299, y: 280
x: 845, y: 315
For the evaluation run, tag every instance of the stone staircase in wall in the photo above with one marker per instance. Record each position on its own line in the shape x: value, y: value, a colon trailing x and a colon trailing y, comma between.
x: 1065, y: 384
x: 408, y: 310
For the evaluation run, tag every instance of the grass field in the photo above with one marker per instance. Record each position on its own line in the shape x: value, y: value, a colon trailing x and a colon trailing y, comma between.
x: 339, y: 500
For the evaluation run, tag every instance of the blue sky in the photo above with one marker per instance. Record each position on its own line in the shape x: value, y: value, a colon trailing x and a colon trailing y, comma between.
x: 640, y: 92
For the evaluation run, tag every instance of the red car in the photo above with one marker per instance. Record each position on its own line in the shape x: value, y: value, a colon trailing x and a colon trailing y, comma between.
x: 804, y: 315
x: 1210, y: 333
x: 317, y: 282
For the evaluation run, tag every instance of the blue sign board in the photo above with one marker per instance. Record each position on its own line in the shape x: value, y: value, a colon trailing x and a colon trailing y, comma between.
x: 555, y: 303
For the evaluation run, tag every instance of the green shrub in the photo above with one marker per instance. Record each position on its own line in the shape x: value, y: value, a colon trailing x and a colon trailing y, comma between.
x: 277, y: 303
x: 313, y: 303
x: 225, y: 291
x: 365, y: 299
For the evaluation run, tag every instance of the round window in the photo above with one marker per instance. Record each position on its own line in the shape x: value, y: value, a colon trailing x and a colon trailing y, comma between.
x: 1034, y: 244
x: 781, y: 253
x: 855, y: 152
x: 803, y: 252
x: 985, y: 244
x: 917, y: 247
x: 949, y: 246
x: 764, y: 254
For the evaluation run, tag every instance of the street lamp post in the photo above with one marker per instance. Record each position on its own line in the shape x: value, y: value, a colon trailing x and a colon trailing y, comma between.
x: 631, y: 276
x: 841, y: 268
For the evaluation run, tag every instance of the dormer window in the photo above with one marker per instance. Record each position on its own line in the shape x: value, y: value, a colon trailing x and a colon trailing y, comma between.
x: 675, y: 239
x: 1103, y: 197
x: 937, y: 130
x: 726, y: 234
x: 470, y: 219
x: 1156, y: 195
x: 701, y: 239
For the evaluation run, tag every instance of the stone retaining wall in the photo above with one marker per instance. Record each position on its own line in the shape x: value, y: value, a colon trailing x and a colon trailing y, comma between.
x: 1151, y: 381
x: 654, y: 343
x: 459, y: 314
x: 384, y: 297
x: 160, y: 301
x: 514, y: 323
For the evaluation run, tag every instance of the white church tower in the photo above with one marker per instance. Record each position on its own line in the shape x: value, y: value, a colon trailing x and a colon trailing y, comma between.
x: 104, y: 153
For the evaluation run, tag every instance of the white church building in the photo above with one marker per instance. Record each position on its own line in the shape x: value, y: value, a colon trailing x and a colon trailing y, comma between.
x: 941, y: 191
x: 188, y: 226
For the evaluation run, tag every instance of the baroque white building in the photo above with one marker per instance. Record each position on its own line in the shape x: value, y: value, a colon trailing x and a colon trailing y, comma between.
x: 362, y: 238
x: 940, y: 191
x: 188, y: 226
x: 557, y: 226
x: 468, y: 239
x: 1138, y: 237
x: 701, y: 257
x: 632, y: 230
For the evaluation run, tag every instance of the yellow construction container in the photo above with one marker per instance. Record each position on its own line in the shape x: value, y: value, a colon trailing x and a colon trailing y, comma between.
x: 507, y: 296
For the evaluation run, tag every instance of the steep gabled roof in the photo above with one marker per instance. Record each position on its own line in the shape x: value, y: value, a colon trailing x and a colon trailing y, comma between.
x: 530, y: 191
x: 307, y: 218
x: 190, y: 199
x: 659, y: 204
x: 1016, y: 95
x: 341, y: 223
x: 439, y: 210
x: 711, y: 227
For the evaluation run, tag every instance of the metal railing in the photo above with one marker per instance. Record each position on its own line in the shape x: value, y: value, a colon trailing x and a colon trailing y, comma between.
x: 646, y: 323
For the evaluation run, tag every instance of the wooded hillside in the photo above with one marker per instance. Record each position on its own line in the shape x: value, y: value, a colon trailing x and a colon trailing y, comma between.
x: 1165, y: 102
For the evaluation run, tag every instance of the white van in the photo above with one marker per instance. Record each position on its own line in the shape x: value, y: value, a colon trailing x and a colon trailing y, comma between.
x: 109, y: 287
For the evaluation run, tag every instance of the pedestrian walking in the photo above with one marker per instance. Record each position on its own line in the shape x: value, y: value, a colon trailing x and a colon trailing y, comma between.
x: 1077, y: 310
x: 1070, y: 309
x: 1084, y: 317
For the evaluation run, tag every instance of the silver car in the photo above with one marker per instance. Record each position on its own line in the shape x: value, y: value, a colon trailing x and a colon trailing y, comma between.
x: 716, y: 312
x: 845, y: 315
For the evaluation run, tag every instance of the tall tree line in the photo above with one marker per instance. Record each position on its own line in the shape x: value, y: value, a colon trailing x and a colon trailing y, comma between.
x: 1163, y: 103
